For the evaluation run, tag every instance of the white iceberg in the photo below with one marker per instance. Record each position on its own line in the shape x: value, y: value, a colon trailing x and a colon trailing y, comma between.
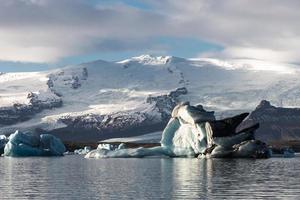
x: 83, y: 151
x: 25, y: 144
x: 194, y: 132
x: 3, y: 141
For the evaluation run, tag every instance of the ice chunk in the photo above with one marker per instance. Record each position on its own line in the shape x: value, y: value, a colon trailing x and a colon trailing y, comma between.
x: 83, y: 151
x: 21, y: 149
x: 3, y: 137
x: 107, y: 146
x: 26, y: 144
x: 252, y: 148
x: 186, y: 131
x: 169, y: 132
x: 192, y: 114
x: 24, y: 138
x: 52, y: 144
x: 121, y: 146
x: 228, y: 142
x: 140, y: 152
x: 192, y: 131
x: 129, y: 153
x: 220, y: 152
x: 189, y: 137
x: 3, y: 141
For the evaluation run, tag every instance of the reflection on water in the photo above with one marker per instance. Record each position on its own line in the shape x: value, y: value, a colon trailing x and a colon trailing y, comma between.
x: 73, y: 177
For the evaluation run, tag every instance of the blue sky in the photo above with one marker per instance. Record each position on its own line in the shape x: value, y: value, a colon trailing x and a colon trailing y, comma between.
x: 44, y: 34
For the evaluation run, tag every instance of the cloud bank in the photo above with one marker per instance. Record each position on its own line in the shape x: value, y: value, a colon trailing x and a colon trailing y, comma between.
x: 48, y: 30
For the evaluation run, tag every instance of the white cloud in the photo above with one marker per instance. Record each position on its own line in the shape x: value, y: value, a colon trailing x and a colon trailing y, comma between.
x: 263, y: 33
x: 47, y: 30
x: 248, y: 53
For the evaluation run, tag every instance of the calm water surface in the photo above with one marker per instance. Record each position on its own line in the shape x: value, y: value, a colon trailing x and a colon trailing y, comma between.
x: 73, y: 177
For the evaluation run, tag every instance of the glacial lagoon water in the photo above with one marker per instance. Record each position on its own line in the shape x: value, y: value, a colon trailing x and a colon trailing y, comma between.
x: 73, y: 177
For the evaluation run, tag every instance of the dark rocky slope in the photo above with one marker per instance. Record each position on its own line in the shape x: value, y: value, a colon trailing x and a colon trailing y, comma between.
x: 277, y: 124
x: 92, y: 127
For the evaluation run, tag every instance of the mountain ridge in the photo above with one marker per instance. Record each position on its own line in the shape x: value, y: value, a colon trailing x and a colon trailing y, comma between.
x: 102, y: 89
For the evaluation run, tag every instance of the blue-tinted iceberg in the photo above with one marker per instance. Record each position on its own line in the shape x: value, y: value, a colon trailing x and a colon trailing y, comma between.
x: 25, y: 144
x: 194, y: 132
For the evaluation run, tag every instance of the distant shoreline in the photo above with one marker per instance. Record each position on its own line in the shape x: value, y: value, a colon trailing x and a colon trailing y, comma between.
x: 71, y: 146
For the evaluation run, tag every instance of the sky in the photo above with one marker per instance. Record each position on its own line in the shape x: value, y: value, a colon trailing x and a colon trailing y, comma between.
x: 43, y: 34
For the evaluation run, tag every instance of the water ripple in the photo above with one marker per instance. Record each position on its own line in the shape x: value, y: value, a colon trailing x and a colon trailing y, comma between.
x: 73, y: 177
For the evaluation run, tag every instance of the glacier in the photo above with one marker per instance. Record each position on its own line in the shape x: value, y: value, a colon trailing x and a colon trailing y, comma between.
x: 194, y: 132
x: 21, y: 144
x: 100, y: 100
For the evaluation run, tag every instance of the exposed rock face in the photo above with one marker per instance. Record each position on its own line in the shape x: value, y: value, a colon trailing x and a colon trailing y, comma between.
x: 70, y: 79
x: 166, y: 103
x: 276, y: 123
x: 16, y: 113
x: 38, y: 103
x: 22, y: 112
x: 91, y: 127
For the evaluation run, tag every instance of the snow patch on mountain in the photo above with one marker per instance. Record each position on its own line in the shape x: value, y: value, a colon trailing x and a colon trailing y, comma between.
x: 148, y: 60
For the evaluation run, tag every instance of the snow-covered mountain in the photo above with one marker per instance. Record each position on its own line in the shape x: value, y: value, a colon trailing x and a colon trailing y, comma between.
x: 100, y: 100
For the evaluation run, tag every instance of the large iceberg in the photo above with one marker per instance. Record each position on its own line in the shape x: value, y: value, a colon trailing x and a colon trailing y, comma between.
x: 25, y: 144
x: 194, y: 132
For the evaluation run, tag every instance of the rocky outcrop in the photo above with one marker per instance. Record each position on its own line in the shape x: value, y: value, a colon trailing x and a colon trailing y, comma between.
x: 67, y: 78
x: 92, y: 127
x: 14, y: 114
x: 276, y: 123
x: 166, y: 103
x: 22, y: 112
x: 39, y: 103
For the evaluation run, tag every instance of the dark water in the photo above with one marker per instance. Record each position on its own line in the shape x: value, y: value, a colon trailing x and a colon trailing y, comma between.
x: 73, y: 177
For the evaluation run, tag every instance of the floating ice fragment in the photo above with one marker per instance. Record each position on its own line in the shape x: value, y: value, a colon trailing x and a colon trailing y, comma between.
x: 3, y: 141
x: 83, y: 151
x: 25, y: 144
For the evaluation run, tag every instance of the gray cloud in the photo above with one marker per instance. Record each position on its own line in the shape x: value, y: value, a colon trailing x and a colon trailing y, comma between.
x: 48, y: 30
x: 265, y: 29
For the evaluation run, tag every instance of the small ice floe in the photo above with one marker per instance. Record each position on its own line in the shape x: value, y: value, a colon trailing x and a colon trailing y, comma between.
x: 26, y: 144
x: 3, y: 141
x: 285, y: 152
x: 127, y: 153
x: 83, y: 151
x: 68, y: 153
